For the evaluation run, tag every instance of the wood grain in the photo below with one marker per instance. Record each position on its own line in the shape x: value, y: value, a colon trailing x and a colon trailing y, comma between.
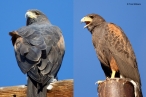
x: 62, y: 88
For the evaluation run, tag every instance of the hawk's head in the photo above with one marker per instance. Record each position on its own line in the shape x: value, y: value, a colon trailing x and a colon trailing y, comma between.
x: 92, y: 20
x: 34, y: 16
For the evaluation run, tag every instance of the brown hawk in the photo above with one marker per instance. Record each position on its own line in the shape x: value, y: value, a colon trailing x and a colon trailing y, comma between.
x: 113, y: 49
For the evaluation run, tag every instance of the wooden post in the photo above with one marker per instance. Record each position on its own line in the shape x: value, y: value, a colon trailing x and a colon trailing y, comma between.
x: 63, y: 88
x: 117, y: 87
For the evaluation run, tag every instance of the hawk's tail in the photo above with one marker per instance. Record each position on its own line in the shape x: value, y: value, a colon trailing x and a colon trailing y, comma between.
x: 140, y: 93
x: 35, y: 90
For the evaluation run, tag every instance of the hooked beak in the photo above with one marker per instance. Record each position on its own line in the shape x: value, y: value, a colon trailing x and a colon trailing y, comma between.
x: 30, y: 15
x: 86, y: 20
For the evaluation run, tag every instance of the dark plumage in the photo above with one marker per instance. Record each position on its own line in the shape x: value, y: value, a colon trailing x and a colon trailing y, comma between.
x: 113, y: 49
x: 39, y: 50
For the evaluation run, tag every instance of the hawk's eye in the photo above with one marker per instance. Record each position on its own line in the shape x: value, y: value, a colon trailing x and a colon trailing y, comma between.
x: 91, y: 16
x: 36, y: 13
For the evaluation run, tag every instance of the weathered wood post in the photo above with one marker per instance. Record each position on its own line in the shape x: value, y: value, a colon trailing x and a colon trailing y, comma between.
x: 63, y: 88
x: 116, y: 87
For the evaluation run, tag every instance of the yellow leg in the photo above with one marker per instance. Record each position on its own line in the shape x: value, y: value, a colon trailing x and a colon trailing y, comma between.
x: 113, y: 74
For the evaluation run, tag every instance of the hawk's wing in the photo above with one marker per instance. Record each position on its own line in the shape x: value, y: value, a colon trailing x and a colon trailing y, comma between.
x: 121, y: 50
x: 39, y: 51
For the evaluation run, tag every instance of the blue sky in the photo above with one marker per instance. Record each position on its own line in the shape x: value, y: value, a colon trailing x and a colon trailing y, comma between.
x: 13, y: 17
x: 131, y: 18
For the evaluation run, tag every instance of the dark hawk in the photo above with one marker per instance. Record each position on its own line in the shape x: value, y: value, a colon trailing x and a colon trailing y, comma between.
x: 39, y: 50
x: 113, y: 49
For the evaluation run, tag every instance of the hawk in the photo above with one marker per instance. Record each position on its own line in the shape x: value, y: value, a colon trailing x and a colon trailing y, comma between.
x: 39, y: 49
x: 113, y: 49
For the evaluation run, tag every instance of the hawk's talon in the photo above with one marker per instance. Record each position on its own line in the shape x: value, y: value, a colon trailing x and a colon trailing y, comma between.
x: 98, y: 82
